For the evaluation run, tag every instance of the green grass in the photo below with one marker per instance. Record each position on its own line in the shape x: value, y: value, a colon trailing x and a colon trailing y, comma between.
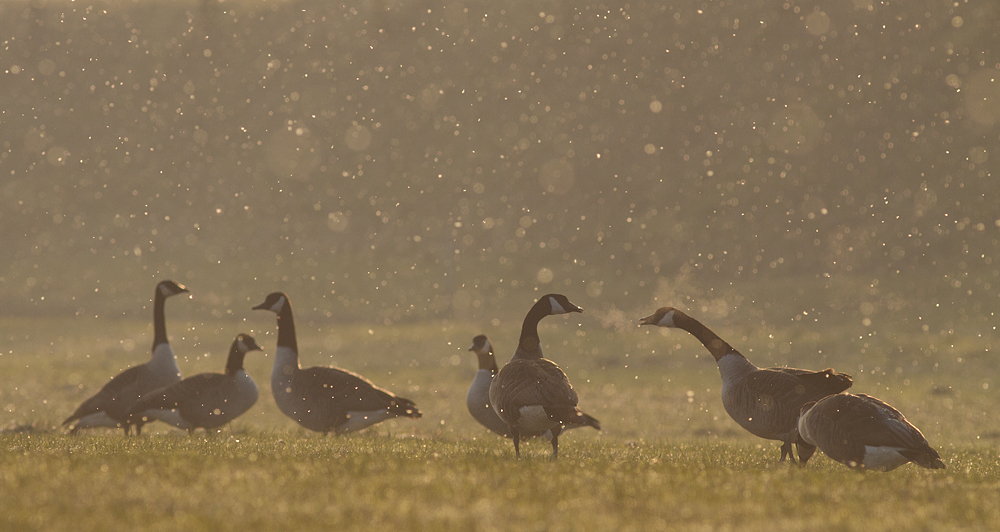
x: 669, y: 458
x: 282, y: 481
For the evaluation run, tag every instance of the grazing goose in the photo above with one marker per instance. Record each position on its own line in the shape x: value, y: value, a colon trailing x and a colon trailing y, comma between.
x: 862, y: 432
x: 531, y: 394
x: 764, y: 401
x: 207, y: 400
x: 109, y: 407
x: 322, y: 398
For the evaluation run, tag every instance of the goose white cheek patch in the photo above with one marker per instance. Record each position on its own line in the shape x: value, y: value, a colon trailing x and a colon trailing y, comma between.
x: 556, y: 307
x: 276, y: 308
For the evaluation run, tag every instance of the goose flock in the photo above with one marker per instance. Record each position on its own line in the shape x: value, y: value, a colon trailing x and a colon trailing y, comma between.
x: 529, y: 397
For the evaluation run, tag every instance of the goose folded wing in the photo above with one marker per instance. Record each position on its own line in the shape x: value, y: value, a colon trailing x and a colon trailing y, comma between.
x: 332, y: 388
x: 116, y: 396
x: 541, y: 383
x: 819, y: 384
x: 199, y: 392
x: 880, y: 424
x: 781, y: 390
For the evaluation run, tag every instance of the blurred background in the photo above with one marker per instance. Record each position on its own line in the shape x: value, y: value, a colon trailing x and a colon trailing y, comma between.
x: 812, y: 180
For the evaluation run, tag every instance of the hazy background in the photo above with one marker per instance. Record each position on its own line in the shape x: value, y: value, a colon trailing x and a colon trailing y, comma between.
x: 766, y: 166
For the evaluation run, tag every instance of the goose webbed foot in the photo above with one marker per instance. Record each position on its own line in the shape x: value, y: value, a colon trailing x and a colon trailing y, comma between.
x: 805, y: 452
x: 786, y: 452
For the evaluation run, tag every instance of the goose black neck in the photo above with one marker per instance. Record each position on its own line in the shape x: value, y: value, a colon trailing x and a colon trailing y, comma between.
x: 487, y: 361
x: 528, y: 344
x: 159, y: 321
x: 286, y: 328
x: 715, y: 345
x: 235, y: 361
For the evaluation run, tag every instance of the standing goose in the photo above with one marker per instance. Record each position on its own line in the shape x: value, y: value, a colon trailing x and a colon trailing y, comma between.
x: 109, y: 407
x: 764, y: 401
x: 478, y: 398
x: 322, y: 398
x: 862, y: 432
x: 207, y: 400
x: 531, y: 394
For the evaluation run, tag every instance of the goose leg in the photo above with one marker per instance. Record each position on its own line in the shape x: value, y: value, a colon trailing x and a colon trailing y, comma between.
x: 555, y: 441
x: 805, y: 452
x: 517, y: 442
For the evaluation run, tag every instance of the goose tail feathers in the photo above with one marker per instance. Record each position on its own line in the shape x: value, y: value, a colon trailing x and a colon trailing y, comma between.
x: 405, y: 408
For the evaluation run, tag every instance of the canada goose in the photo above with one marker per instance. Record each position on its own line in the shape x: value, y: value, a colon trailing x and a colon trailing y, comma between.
x: 109, y: 407
x: 478, y: 398
x: 764, y: 401
x: 862, y: 432
x: 531, y: 394
x: 206, y: 400
x: 322, y: 398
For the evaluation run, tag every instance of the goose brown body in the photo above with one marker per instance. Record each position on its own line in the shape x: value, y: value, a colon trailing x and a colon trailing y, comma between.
x: 764, y: 401
x: 477, y: 400
x: 862, y: 432
x: 206, y: 400
x: 110, y: 405
x: 532, y: 394
x: 321, y: 398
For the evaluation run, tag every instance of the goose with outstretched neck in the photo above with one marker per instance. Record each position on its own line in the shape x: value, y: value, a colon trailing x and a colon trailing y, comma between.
x: 764, y: 401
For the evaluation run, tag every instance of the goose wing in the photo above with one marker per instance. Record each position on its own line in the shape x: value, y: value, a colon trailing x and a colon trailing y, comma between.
x: 205, y: 391
x: 335, y: 390
x: 779, y: 390
x: 874, y: 422
x: 537, y: 382
x: 819, y: 384
x: 116, y: 396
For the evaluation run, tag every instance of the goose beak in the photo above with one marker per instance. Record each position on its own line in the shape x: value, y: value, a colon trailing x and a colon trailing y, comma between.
x: 262, y: 306
x: 648, y: 320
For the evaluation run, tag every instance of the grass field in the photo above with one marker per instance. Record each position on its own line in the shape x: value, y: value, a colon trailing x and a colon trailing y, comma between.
x: 669, y: 458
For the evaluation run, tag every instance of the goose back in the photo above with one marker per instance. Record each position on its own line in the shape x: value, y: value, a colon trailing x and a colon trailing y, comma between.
x: 862, y: 431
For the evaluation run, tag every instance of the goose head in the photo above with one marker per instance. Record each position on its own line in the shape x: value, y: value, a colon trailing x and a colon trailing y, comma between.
x: 275, y: 302
x: 481, y: 345
x: 245, y: 343
x: 663, y: 317
x: 483, y: 349
x: 169, y: 288
x: 558, y: 304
